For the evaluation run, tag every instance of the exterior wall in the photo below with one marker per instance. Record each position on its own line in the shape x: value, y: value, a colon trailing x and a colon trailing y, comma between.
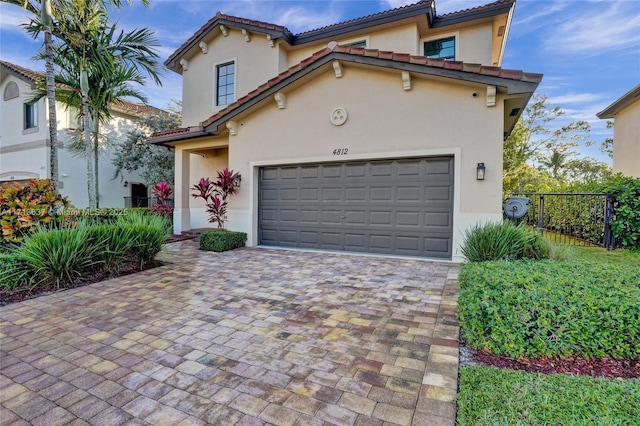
x: 402, y: 39
x: 24, y: 154
x: 626, y: 141
x: 15, y: 141
x: 73, y: 170
x: 195, y: 160
x: 397, y: 124
x: 256, y: 62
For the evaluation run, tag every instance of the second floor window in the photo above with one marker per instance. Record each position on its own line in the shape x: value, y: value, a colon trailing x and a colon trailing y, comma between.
x: 30, y: 115
x: 225, y: 83
x: 444, y: 48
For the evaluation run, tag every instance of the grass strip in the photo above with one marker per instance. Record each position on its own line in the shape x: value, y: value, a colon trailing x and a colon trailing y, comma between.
x: 492, y: 396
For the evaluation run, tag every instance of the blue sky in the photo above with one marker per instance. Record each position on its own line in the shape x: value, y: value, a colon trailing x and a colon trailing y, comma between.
x: 588, y: 51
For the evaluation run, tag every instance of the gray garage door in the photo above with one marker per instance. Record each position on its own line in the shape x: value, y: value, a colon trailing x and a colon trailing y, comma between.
x: 402, y: 207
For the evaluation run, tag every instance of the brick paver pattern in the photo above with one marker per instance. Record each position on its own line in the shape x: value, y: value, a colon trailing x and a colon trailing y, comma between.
x: 246, y: 337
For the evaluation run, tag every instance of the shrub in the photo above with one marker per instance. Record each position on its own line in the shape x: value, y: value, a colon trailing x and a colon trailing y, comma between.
x: 14, y: 272
x: 162, y: 191
x: 625, y: 196
x: 545, y: 308
x: 60, y: 255
x: 215, y: 194
x: 503, y: 241
x: 222, y: 240
x: 147, y: 243
x: 117, y: 243
x: 24, y: 208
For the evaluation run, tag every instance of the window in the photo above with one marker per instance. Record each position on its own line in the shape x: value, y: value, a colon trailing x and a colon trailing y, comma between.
x: 30, y: 115
x: 444, y: 48
x: 225, y: 83
x: 362, y: 43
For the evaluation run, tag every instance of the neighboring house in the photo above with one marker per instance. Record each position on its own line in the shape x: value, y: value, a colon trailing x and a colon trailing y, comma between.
x: 25, y: 145
x: 626, y: 132
x: 363, y: 136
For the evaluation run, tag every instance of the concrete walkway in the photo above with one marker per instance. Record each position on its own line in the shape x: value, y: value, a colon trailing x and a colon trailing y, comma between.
x: 247, y: 337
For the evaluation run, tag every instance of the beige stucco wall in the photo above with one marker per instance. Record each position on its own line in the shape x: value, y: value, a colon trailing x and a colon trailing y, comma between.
x: 256, y: 62
x: 434, y: 118
x: 626, y: 141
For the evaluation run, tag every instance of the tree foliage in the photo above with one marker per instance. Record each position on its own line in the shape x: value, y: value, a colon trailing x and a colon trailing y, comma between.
x: 539, y: 155
x: 153, y: 163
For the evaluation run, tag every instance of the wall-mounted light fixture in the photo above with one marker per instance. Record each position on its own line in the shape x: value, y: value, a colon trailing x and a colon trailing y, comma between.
x: 238, y: 180
x: 126, y: 183
x: 480, y: 171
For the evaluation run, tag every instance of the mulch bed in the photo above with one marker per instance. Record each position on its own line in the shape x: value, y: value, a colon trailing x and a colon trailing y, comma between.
x: 19, y: 294
x: 177, y: 237
x: 596, y: 367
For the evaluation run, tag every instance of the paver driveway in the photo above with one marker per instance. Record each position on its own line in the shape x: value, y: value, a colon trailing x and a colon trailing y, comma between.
x: 246, y: 337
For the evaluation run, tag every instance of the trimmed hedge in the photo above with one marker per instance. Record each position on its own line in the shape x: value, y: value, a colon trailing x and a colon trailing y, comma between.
x: 222, y: 240
x: 545, y: 308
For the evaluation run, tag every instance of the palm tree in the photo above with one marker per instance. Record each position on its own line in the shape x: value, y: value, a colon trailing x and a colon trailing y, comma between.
x: 91, y: 54
x: 122, y: 55
x: 43, y: 9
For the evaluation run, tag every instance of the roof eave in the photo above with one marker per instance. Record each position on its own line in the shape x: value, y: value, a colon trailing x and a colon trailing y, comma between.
x: 622, y: 102
x: 472, y: 15
x: 512, y: 87
x: 408, y: 12
x: 173, y: 60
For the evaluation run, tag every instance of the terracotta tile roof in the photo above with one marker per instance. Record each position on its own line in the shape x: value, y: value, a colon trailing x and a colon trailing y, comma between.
x: 478, y: 8
x: 351, y: 22
x: 28, y: 74
x: 133, y: 108
x: 222, y: 18
x: 137, y: 108
x: 470, y: 68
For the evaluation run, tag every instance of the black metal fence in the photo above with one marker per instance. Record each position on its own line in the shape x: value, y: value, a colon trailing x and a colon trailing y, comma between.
x: 575, y: 219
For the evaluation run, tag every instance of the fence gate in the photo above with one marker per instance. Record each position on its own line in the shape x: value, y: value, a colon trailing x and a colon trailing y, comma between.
x: 576, y: 219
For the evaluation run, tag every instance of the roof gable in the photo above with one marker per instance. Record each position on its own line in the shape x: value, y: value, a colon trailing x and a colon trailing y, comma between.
x: 24, y: 74
x: 423, y: 8
x: 513, y: 81
x: 123, y: 105
x: 621, y: 103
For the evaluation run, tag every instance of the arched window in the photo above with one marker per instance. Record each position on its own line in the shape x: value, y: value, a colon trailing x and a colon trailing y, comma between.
x: 11, y: 91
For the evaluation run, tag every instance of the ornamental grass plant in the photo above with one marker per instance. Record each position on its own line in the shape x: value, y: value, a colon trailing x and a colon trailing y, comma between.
x: 504, y: 241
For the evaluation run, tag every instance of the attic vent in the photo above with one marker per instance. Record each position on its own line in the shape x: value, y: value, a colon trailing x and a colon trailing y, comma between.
x: 514, y: 112
x: 516, y: 207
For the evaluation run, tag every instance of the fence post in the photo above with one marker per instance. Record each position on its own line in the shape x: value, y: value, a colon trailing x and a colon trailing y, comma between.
x: 608, y: 232
x: 541, y: 214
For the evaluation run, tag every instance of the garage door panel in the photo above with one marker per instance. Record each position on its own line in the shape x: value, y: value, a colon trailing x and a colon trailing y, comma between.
x: 331, y: 171
x: 387, y: 206
x: 408, y: 219
x: 382, y: 194
x: 380, y: 242
x: 309, y: 216
x: 438, y: 193
x: 355, y: 194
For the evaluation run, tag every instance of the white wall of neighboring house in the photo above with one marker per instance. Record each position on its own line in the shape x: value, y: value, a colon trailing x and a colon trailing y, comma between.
x: 24, y: 153
x: 626, y: 141
x: 73, y: 171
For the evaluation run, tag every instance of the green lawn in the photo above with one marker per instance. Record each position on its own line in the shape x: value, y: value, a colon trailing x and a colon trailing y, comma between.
x: 492, y: 396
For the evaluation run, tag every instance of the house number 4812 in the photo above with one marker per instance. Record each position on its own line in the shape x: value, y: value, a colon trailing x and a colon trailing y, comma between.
x: 340, y: 151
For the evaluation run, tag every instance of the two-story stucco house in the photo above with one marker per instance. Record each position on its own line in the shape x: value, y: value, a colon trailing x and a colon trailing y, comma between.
x: 382, y: 134
x: 626, y: 132
x: 25, y: 145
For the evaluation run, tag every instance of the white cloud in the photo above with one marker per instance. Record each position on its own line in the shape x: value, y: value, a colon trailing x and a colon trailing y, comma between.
x: 575, y: 98
x: 609, y: 27
x: 12, y: 17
